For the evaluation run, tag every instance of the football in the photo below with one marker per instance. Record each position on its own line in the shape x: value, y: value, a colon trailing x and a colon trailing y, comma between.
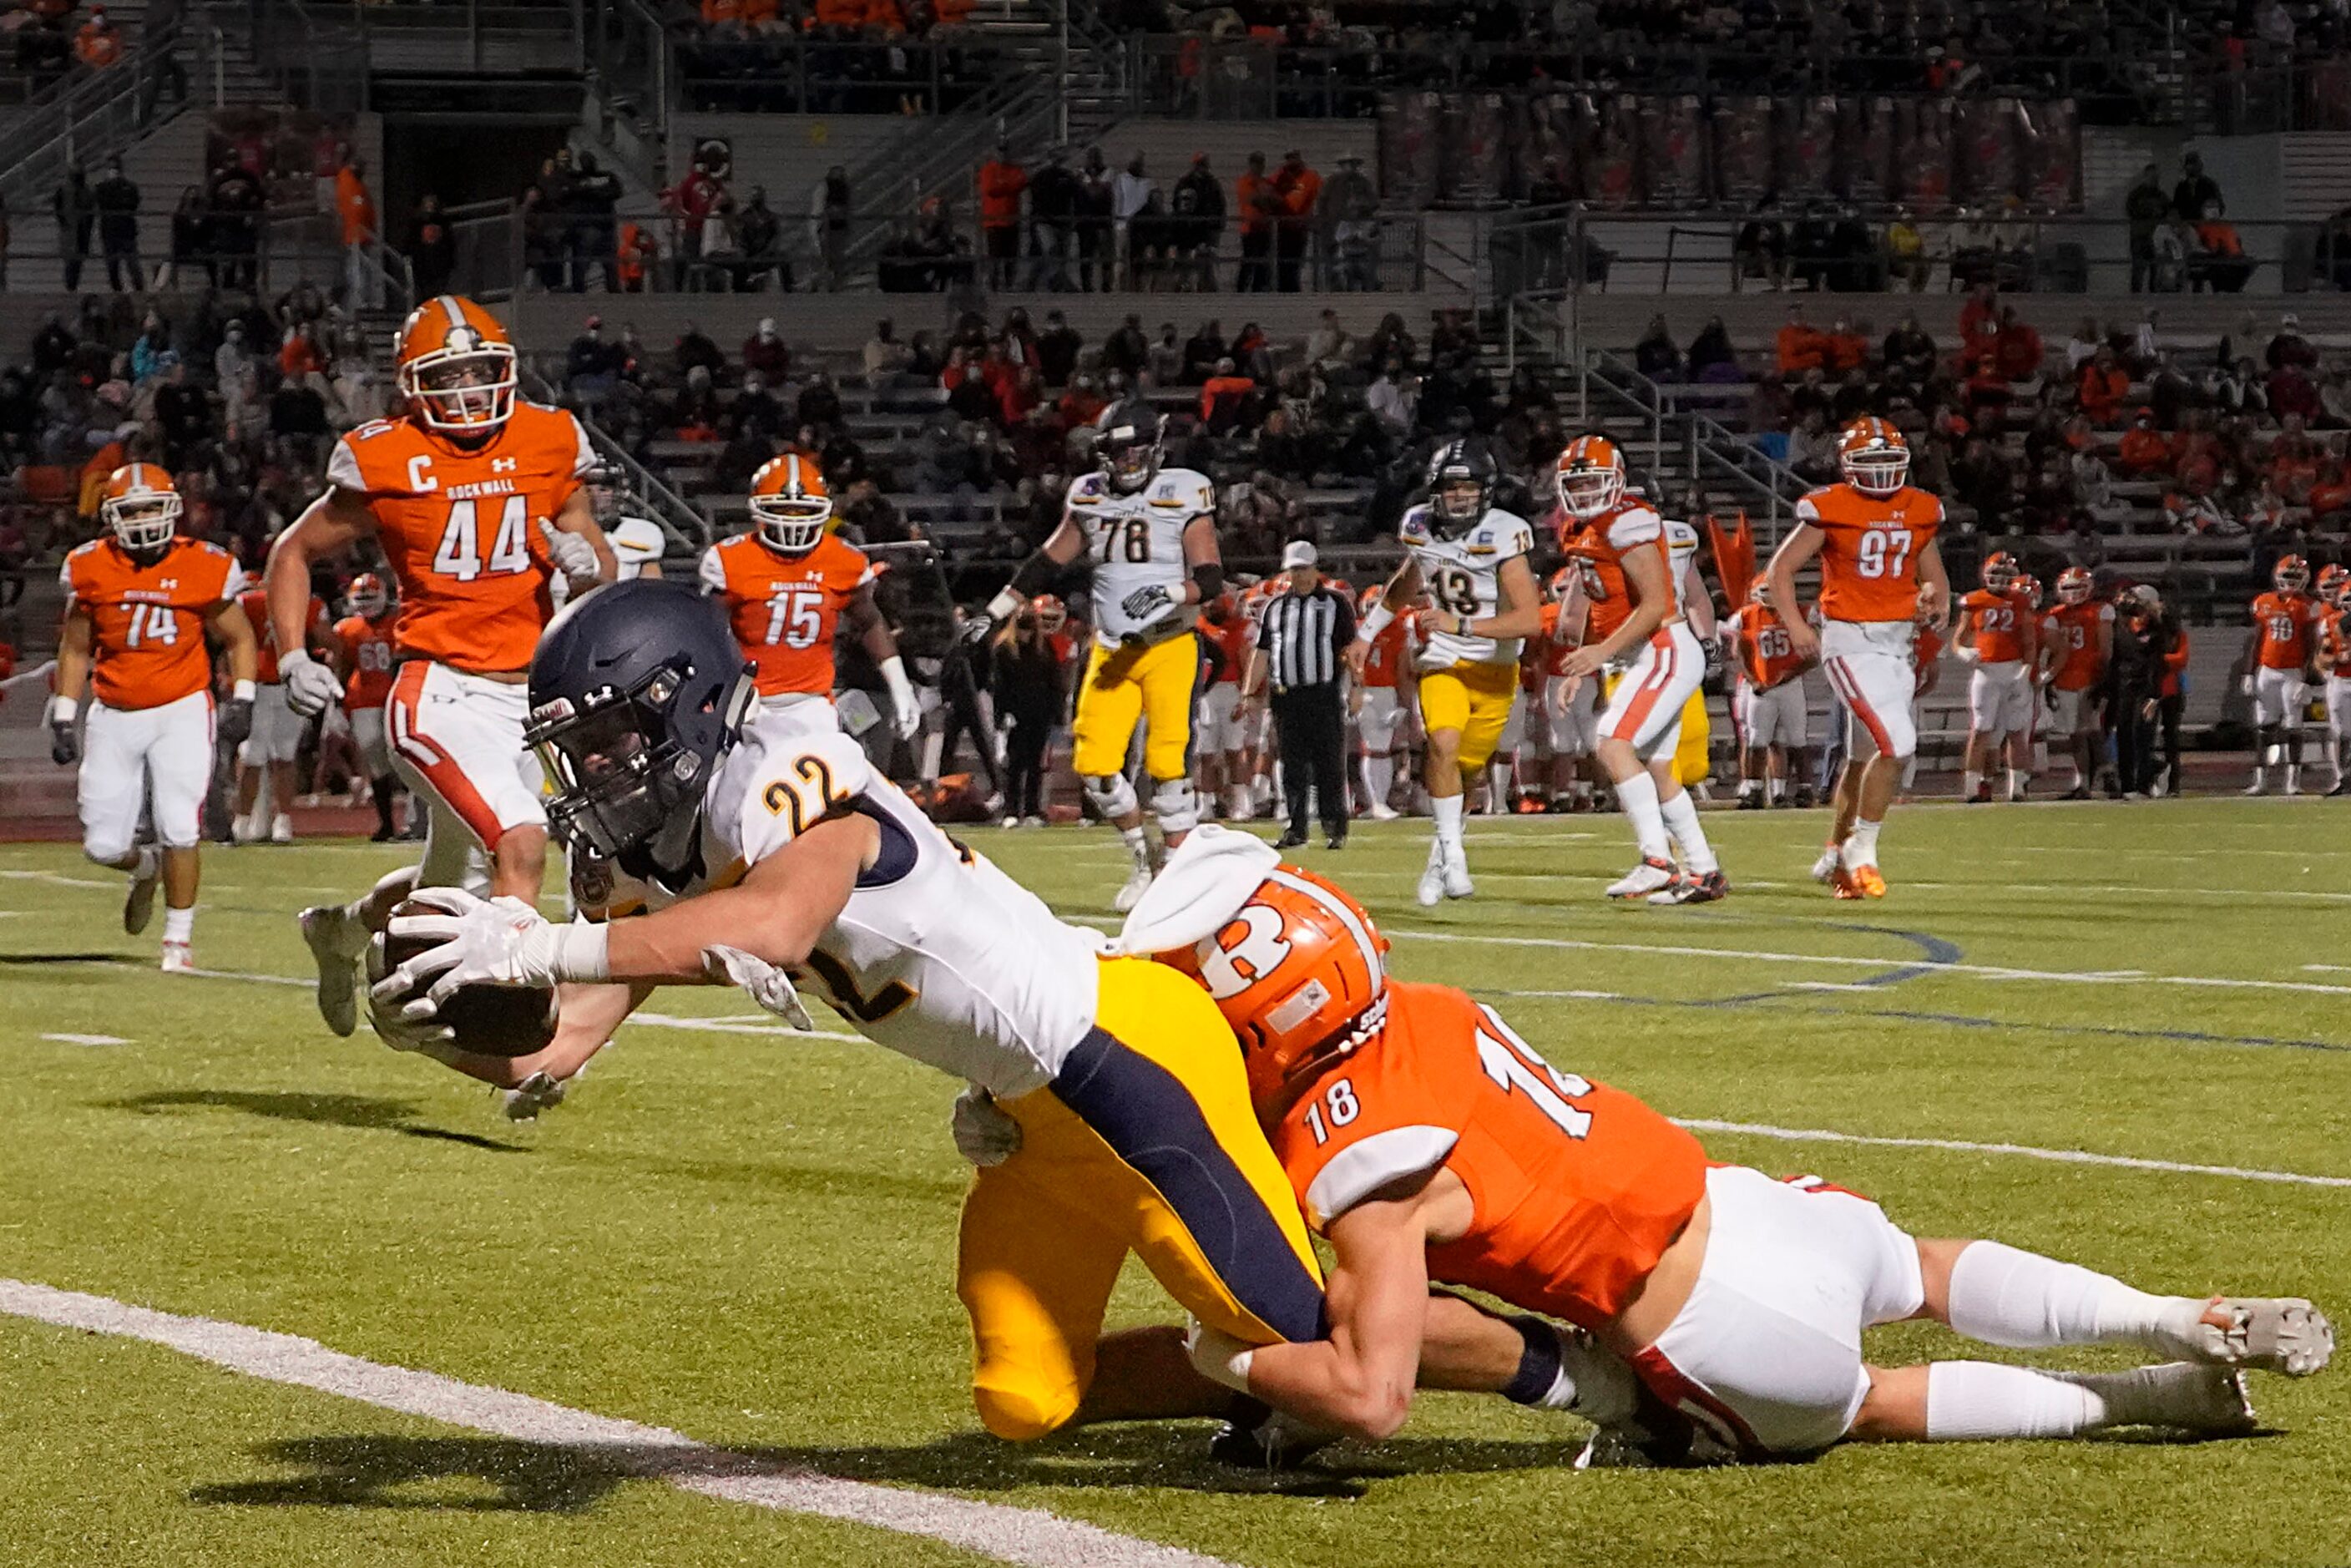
x: 491, y: 1020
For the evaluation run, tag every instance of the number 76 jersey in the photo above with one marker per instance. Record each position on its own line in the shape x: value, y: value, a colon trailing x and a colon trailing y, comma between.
x: 460, y: 527
x: 1869, y: 558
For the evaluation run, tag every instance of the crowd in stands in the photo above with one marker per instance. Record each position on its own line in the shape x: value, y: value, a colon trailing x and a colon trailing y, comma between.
x: 831, y: 57
x: 49, y: 40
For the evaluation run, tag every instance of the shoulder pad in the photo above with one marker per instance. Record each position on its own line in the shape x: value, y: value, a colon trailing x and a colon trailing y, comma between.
x: 794, y: 787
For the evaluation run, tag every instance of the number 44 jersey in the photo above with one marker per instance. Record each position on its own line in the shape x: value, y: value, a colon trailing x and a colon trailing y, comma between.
x: 460, y: 527
x: 1869, y: 558
x: 937, y: 955
x: 1463, y: 573
x: 783, y: 608
x: 1136, y: 541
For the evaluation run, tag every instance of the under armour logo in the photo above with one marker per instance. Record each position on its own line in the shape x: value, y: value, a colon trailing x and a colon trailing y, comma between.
x: 504, y: 465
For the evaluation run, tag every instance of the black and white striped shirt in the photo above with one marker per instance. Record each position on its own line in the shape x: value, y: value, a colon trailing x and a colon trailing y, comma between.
x: 1305, y: 638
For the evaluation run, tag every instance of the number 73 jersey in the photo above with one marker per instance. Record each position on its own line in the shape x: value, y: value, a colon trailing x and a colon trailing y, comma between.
x: 460, y: 527
x: 1463, y: 573
x: 1576, y: 1188
x: 784, y: 608
x: 1869, y: 556
x: 1134, y: 541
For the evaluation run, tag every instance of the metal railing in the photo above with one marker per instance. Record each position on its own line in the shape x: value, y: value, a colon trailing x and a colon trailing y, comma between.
x: 1714, y: 454
x: 2305, y: 95
x: 93, y: 116
x: 632, y: 85
x: 263, y: 253
x: 687, y: 526
x: 791, y: 74
x: 314, y: 63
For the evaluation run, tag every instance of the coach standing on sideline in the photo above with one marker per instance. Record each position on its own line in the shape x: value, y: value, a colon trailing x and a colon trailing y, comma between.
x: 1302, y: 656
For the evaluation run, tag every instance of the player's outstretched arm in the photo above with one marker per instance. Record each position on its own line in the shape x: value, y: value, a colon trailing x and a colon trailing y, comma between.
x: 1035, y: 575
x: 775, y: 914
x: 1934, y: 583
x: 587, y: 1018
x: 1795, y: 552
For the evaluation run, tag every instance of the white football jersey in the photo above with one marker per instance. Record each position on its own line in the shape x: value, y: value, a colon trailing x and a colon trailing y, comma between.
x: 637, y: 543
x: 1463, y: 573
x: 1133, y: 541
x: 937, y: 955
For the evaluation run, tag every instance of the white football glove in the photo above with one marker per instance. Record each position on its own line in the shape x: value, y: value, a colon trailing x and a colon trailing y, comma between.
x: 535, y: 1093
x: 770, y: 987
x: 984, y: 1134
x: 496, y: 942
x: 1148, y: 603
x: 2246, y: 685
x: 573, y: 556
x: 402, y: 1033
x: 311, y: 688
x: 905, y: 708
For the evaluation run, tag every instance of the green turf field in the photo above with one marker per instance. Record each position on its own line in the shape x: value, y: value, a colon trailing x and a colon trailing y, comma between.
x: 748, y: 1237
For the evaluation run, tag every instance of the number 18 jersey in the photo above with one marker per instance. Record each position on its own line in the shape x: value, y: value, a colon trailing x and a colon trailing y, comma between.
x: 1463, y: 573
x: 1869, y: 558
x: 460, y: 527
x: 1133, y: 541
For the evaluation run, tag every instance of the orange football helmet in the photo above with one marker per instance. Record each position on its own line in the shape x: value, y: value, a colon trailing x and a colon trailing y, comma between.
x: 2000, y: 573
x: 141, y: 505
x: 2074, y: 585
x: 456, y: 367
x: 2291, y: 575
x: 2333, y: 582
x: 1589, y: 477
x: 1051, y: 613
x: 1298, y: 972
x: 790, y: 504
x: 367, y: 596
x: 1874, y: 457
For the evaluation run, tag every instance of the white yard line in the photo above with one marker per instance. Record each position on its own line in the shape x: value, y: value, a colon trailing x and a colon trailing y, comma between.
x: 2021, y: 1151
x: 1022, y: 1535
x: 86, y: 1038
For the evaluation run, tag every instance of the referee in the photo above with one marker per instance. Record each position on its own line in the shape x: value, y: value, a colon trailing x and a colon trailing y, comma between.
x: 1301, y: 655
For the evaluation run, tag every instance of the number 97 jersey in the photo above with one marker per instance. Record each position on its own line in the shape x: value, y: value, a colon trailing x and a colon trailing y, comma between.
x: 461, y: 528
x: 1463, y: 573
x: 1136, y: 541
x: 1870, y: 550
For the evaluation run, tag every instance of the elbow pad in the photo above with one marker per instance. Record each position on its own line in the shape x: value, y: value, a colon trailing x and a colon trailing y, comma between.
x: 1208, y: 576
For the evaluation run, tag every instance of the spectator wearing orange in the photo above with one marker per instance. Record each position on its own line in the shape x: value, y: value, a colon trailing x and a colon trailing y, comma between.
x: 2016, y: 347
x: 356, y: 209
x: 841, y: 16
x: 299, y: 355
x: 951, y: 12
x: 639, y: 252
x: 99, y: 44
x: 2293, y: 458
x: 884, y: 18
x: 1223, y: 397
x: 723, y: 18
x: 2219, y: 261
x: 1001, y: 183
x: 2101, y: 387
x: 1843, y: 348
x: 2331, y: 495
x: 1255, y: 202
x: 1301, y: 190
x: 2143, y: 451
x: 1801, y: 346
x: 1982, y: 308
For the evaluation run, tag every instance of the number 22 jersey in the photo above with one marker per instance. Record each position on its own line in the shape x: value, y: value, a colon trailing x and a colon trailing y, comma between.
x: 1869, y: 558
x: 460, y: 527
x: 937, y: 955
x: 1463, y: 573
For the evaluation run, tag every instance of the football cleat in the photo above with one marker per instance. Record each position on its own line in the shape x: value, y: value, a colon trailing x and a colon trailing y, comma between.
x: 1648, y: 877
x: 179, y: 958
x: 1707, y: 887
x: 1831, y: 861
x: 2185, y: 1396
x: 1867, y: 879
x: 1381, y: 811
x: 1454, y: 876
x: 1430, y: 892
x: 337, y: 944
x: 139, y: 904
x: 1842, y: 885
x: 281, y: 829
x: 2280, y: 1334
x: 1259, y: 1438
x: 2256, y: 786
x: 244, y: 830
x: 1138, y: 883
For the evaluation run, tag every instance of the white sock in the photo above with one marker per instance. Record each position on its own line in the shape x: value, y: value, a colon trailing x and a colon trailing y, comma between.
x: 1748, y: 787
x: 1447, y: 810
x: 1136, y: 845
x: 1379, y: 772
x: 1777, y: 789
x: 179, y: 924
x: 1968, y: 780
x: 1680, y: 815
x: 2016, y: 785
x: 2294, y: 775
x: 150, y: 863
x: 2005, y: 1296
x: 1638, y: 798
x: 1977, y: 1400
x: 1861, y: 845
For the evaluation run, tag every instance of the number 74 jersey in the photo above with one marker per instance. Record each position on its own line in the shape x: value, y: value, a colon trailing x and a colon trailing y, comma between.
x: 460, y: 527
x: 1869, y: 556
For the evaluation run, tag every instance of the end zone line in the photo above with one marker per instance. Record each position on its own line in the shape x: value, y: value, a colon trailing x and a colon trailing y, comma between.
x: 1022, y: 1535
x: 2023, y: 1151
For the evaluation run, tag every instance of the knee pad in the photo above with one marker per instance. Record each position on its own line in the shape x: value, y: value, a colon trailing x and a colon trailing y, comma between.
x: 1173, y: 803
x: 1112, y: 795
x: 104, y: 851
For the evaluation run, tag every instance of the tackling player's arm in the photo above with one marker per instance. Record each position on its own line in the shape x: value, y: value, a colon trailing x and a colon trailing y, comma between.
x: 577, y: 517
x: 1646, y: 577
x: 1700, y: 602
x: 226, y: 622
x: 864, y: 616
x: 1035, y: 575
x: 1801, y: 544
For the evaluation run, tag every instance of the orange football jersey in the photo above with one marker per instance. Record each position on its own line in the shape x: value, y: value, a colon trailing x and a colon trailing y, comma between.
x: 1869, y: 558
x: 2335, y: 644
x: 2286, y: 621
x: 1384, y: 660
x: 2001, y: 624
x: 2073, y: 630
x: 147, y: 623
x: 1234, y: 640
x: 1605, y: 590
x: 1554, y: 649
x: 1765, y: 654
x: 460, y: 527
x: 1578, y: 1188
x: 256, y: 603
x: 367, y: 661
x: 783, y: 608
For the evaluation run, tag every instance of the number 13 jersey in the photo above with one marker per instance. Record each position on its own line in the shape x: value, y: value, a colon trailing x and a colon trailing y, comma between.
x: 1463, y: 573
x: 1133, y: 541
x: 460, y: 527
x: 1869, y: 558
x: 784, y: 608
x: 937, y: 955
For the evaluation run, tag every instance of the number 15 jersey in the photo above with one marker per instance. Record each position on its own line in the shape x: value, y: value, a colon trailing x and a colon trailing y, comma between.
x: 1463, y: 573
x: 460, y: 527
x: 1134, y: 541
x: 1869, y: 558
x: 784, y: 608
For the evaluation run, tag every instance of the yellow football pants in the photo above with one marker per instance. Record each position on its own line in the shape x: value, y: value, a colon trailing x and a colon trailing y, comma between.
x: 1474, y: 699
x: 1691, y: 762
x: 1132, y: 682
x: 1145, y: 1143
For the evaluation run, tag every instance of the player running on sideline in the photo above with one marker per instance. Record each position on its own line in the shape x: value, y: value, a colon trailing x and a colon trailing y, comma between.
x: 1471, y: 558
x: 1641, y: 728
x: 1429, y: 1143
x: 1881, y: 570
x: 476, y: 500
x: 717, y: 850
x: 138, y: 604
x: 2278, y: 656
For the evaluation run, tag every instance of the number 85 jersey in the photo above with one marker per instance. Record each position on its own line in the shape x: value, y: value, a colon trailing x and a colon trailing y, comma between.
x: 1133, y: 541
x: 1463, y: 573
x: 1576, y: 1188
x: 1869, y: 556
x: 460, y: 527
